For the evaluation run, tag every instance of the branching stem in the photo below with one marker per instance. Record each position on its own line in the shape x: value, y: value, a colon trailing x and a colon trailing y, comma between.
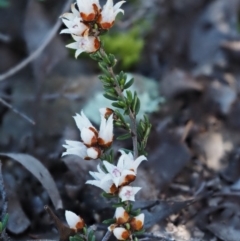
x: 132, y: 116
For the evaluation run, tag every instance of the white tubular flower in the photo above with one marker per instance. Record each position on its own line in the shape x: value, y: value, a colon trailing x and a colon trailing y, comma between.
x: 105, y: 136
x: 89, y: 133
x: 89, y: 9
x: 126, y: 161
x: 107, y: 186
x: 75, y: 148
x: 121, y: 233
x: 93, y: 153
x: 79, y: 149
x: 105, y: 112
x: 86, y: 44
x: 137, y: 222
x: 73, y: 23
x: 109, y: 14
x: 74, y: 221
x: 92, y: 140
x: 74, y: 26
x: 89, y: 137
x: 121, y: 215
x: 127, y: 193
x: 118, y: 175
x: 82, y: 121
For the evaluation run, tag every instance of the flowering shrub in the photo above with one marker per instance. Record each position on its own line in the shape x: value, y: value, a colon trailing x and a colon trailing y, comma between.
x: 86, y: 23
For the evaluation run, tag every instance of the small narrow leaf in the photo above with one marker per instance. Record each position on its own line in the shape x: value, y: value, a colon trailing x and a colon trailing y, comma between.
x: 104, y: 69
x: 117, y: 205
x: 129, y: 83
x: 5, y: 220
x: 90, y: 235
x: 124, y: 137
x: 110, y: 96
x: 109, y: 221
x: 139, y: 232
x: 108, y: 195
x: 137, y: 108
x: 117, y: 105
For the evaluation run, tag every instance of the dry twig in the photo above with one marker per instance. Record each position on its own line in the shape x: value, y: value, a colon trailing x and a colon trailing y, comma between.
x: 38, y: 51
x: 16, y: 111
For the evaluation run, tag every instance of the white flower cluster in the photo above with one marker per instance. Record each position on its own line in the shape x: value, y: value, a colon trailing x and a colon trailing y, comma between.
x: 122, y: 218
x: 81, y: 23
x: 118, y: 178
x: 113, y: 179
x: 119, y: 228
x: 93, y: 141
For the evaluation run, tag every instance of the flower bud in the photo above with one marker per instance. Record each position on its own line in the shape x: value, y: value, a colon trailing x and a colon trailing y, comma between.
x: 137, y: 222
x: 121, y: 233
x: 74, y: 221
x: 121, y: 215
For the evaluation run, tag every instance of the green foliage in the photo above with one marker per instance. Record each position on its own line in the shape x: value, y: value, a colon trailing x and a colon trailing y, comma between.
x: 76, y: 238
x: 3, y: 224
x: 143, y: 131
x: 88, y: 235
x: 4, y: 3
x: 109, y: 221
x: 109, y: 157
x: 126, y: 45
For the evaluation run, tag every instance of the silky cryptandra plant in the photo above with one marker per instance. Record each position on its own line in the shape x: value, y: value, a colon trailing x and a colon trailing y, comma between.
x: 86, y: 23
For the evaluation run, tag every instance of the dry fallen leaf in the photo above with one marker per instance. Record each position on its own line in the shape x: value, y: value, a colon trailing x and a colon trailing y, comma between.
x: 41, y: 173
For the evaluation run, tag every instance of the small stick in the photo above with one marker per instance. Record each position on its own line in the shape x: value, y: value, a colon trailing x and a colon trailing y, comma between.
x: 16, y: 111
x: 38, y: 51
x: 107, y: 236
x: 64, y: 231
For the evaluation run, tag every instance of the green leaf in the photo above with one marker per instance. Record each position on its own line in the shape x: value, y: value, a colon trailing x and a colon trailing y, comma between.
x: 117, y: 105
x: 109, y: 221
x: 1, y: 227
x: 139, y: 232
x: 137, y: 108
x: 127, y: 225
x: 124, y: 137
x: 129, y: 96
x: 108, y: 195
x: 134, y: 102
x: 85, y: 230
x: 5, y: 220
x: 117, y: 205
x: 110, y: 96
x: 104, y: 69
x: 120, y: 116
x: 90, y: 235
x: 135, y: 212
x: 112, y: 59
x: 129, y: 83
x: 95, y: 57
x: 93, y: 238
x: 105, y: 79
x: 76, y: 238
x: 129, y: 207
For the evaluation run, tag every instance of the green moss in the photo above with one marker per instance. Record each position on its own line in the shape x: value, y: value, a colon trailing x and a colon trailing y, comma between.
x: 4, y: 3
x: 126, y: 46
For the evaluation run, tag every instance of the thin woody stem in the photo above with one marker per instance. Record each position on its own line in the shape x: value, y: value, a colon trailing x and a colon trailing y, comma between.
x: 132, y: 116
